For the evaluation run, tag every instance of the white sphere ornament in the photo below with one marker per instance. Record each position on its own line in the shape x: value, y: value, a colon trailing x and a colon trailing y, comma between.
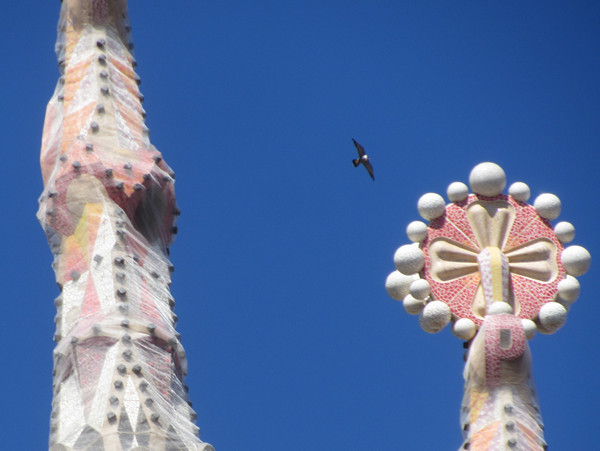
x: 569, y: 288
x: 420, y: 289
x: 457, y: 191
x: 464, y: 328
x: 519, y: 191
x: 409, y: 259
x: 431, y: 206
x: 547, y: 206
x: 529, y: 327
x: 487, y: 179
x: 416, y: 231
x: 434, y: 317
x: 552, y: 316
x: 576, y: 260
x: 500, y: 308
x: 413, y: 306
x: 565, y: 231
x: 397, y: 285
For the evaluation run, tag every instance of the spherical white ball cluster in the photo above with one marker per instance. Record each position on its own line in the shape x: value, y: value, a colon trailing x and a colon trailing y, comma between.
x: 431, y: 206
x: 457, y: 191
x: 487, y: 179
x: 529, y: 327
x: 412, y: 305
x: 420, y: 289
x: 552, y: 317
x: 569, y: 288
x: 547, y: 206
x: 397, y: 285
x: 519, y: 191
x: 565, y: 231
x: 409, y: 259
x: 416, y: 231
x: 434, y: 317
x: 576, y: 260
x: 464, y: 328
x: 499, y: 308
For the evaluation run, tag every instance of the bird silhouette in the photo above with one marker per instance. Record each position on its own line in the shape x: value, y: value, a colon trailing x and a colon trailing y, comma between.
x: 363, y: 159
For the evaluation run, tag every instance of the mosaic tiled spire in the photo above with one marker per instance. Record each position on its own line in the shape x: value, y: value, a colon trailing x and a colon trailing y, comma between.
x: 493, y: 266
x: 108, y: 210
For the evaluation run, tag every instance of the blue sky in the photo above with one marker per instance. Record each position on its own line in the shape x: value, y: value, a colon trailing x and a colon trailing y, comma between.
x: 283, y: 246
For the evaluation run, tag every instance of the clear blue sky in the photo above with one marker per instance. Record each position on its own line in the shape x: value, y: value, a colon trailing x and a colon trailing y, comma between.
x: 284, y: 246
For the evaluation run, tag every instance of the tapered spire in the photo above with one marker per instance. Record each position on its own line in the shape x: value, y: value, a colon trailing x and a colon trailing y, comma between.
x: 108, y: 210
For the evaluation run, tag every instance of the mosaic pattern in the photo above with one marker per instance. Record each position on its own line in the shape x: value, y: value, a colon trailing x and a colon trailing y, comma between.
x: 500, y: 409
x: 471, y: 232
x: 108, y: 210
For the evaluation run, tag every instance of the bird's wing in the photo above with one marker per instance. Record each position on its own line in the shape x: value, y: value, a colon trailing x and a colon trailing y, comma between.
x: 361, y: 150
x: 369, y: 167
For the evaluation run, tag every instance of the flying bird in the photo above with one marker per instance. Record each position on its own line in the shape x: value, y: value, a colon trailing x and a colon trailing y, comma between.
x: 363, y: 159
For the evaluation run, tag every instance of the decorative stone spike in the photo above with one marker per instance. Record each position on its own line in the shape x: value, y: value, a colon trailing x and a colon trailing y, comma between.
x: 493, y: 265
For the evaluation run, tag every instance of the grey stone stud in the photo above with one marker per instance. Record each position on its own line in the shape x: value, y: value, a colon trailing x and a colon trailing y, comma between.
x: 101, y: 43
x: 155, y: 417
x: 141, y: 97
x: 98, y: 258
x: 74, y: 341
x: 127, y: 166
x: 127, y: 355
x: 157, y: 159
x: 138, y: 187
x: 61, y: 80
x: 146, y: 177
x: 130, y: 45
x: 151, y: 328
x: 149, y: 402
x: 174, y: 230
x: 122, y: 292
x: 103, y: 74
x: 102, y: 59
x: 76, y: 165
x: 508, y: 409
x: 56, y: 338
x: 120, y: 276
x: 193, y: 416
x: 122, y: 369
x: 118, y: 385
x: 176, y: 211
x: 104, y: 90
x: 120, y: 261
x: 58, y: 301
x: 124, y: 309
x: 133, y: 62
x: 50, y: 212
x: 511, y: 442
x: 113, y: 400
x: 96, y: 329
x: 63, y: 158
x: 143, y: 386
x: 126, y: 339
x: 61, y: 98
x: 112, y: 417
x: 108, y: 172
x: 100, y: 109
x: 137, y: 369
x: 95, y: 127
x: 52, y: 194
x: 137, y: 79
x: 155, y: 274
x: 90, y: 147
x: 119, y: 185
x: 125, y: 323
x: 510, y: 426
